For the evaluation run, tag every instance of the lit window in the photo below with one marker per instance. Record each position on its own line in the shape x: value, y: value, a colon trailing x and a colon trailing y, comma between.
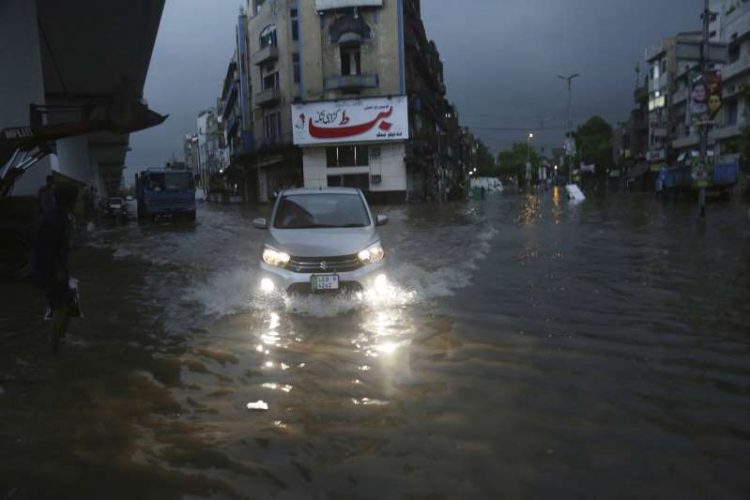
x: 268, y: 36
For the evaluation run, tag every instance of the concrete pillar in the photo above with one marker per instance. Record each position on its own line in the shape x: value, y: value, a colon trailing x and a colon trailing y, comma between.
x: 21, y: 78
x: 73, y: 155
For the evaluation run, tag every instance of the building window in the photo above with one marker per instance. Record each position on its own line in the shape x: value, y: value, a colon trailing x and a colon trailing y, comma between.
x: 295, y: 24
x: 663, y: 66
x: 359, y: 181
x: 268, y: 36
x: 347, y: 156
x: 351, y: 60
x: 270, y: 79
x: 731, y: 107
x: 734, y: 53
x: 296, y: 67
x: 272, y: 126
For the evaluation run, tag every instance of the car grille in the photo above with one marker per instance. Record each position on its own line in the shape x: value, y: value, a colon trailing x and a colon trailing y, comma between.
x: 345, y: 287
x: 309, y: 265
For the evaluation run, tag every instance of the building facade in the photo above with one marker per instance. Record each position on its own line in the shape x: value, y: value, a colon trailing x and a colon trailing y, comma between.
x: 350, y: 93
x: 211, y: 150
x: 672, y: 136
x: 236, y: 119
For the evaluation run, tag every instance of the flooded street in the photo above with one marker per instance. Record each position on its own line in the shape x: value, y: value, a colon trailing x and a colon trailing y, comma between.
x: 526, y: 348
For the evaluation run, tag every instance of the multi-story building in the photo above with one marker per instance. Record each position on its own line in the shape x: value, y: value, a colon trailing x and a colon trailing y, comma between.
x: 235, y: 116
x: 668, y: 83
x: 734, y: 29
x: 211, y: 151
x: 190, y: 149
x: 350, y: 92
x: 672, y: 135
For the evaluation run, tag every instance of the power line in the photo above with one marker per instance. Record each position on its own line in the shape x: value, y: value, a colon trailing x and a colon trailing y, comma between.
x: 517, y: 129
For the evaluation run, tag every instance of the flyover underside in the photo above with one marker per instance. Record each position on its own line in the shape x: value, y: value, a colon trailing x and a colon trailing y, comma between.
x: 74, y: 53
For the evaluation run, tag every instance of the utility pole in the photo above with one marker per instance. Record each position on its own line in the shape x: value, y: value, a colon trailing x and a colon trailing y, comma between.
x: 704, y: 126
x: 528, y: 160
x: 569, y: 80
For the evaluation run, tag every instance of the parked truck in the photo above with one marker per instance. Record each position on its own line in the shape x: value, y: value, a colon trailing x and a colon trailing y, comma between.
x: 165, y: 193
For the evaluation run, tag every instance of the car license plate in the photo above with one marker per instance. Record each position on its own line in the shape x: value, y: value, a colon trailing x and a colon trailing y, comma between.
x: 325, y: 282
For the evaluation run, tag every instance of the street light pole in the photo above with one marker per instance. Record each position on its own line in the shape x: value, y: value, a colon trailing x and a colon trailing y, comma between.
x: 704, y: 127
x: 528, y: 159
x: 569, y: 79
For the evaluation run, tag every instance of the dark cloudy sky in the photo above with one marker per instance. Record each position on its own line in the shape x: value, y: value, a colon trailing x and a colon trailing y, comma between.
x: 502, y: 58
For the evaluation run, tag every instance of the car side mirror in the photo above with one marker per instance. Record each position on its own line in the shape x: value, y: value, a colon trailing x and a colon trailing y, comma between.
x: 260, y: 223
x: 382, y: 220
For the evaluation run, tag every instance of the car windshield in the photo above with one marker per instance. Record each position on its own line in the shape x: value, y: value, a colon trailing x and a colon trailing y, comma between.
x: 311, y: 211
x: 170, y: 182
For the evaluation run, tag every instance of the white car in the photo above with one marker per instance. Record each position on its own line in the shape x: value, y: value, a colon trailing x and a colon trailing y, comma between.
x: 321, y: 241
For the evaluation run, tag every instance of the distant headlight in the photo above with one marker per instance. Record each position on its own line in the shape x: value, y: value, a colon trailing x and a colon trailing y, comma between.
x: 371, y: 255
x: 275, y: 258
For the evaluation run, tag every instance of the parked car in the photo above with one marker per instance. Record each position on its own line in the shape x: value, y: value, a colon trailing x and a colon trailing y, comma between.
x: 322, y: 241
x: 114, y: 208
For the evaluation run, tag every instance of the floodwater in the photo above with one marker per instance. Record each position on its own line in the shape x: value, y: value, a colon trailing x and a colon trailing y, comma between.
x: 527, y: 348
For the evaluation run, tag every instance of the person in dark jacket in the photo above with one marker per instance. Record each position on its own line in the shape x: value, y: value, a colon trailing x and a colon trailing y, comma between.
x: 49, y: 263
x: 47, y: 196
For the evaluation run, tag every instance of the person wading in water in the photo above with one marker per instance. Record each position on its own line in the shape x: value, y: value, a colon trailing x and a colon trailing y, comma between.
x: 49, y: 263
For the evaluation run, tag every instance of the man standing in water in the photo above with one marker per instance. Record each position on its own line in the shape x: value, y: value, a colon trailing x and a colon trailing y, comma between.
x: 47, y: 196
x: 49, y: 262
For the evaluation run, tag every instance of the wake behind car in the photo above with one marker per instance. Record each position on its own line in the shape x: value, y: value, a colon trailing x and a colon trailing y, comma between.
x: 321, y: 241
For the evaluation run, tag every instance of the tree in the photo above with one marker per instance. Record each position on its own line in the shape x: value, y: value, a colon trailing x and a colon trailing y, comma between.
x: 512, y: 162
x: 486, y: 166
x: 594, y: 144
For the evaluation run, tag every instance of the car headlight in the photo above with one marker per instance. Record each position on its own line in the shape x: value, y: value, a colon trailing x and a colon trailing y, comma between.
x: 275, y: 258
x: 372, y: 254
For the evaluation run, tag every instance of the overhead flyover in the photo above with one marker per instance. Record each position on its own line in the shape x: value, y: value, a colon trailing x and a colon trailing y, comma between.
x: 79, y: 71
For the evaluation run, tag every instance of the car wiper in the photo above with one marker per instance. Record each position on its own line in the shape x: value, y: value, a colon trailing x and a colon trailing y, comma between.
x: 352, y: 225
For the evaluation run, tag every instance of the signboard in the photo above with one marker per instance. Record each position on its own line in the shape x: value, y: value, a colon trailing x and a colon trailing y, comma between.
x: 321, y: 5
x: 705, y: 98
x: 378, y: 119
x: 691, y: 51
x: 570, y: 147
x: 700, y: 172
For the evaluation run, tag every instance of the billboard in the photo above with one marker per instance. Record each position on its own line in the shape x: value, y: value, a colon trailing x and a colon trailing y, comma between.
x: 342, y: 4
x: 379, y: 119
x: 705, y: 98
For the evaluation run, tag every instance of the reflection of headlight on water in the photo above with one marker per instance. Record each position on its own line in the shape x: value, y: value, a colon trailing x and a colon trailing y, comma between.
x: 384, y: 293
x: 267, y: 286
x: 381, y: 283
x: 387, y: 347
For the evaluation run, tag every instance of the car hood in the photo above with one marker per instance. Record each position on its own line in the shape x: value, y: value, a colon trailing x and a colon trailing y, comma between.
x: 323, y: 242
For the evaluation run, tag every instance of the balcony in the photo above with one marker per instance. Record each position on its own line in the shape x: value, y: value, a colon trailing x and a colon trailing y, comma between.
x: 685, y: 141
x: 266, y: 54
x: 735, y: 69
x: 737, y: 22
x: 726, y: 132
x: 352, y: 82
x: 324, y: 5
x: 679, y: 96
x: 267, y: 97
x: 280, y: 140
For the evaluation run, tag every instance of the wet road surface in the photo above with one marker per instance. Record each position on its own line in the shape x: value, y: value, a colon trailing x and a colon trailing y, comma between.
x: 527, y: 348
